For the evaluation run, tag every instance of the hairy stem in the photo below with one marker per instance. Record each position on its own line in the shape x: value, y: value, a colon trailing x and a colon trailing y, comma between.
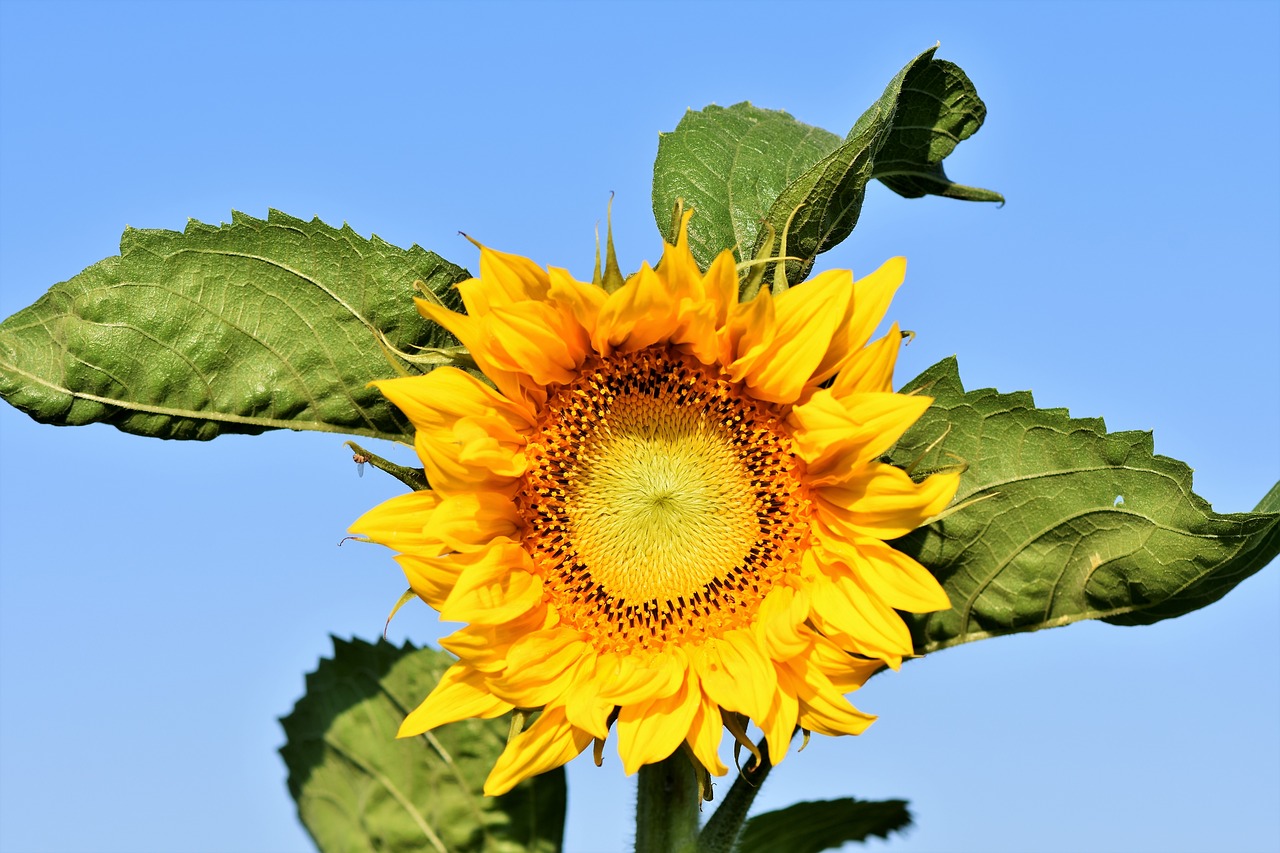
x: 722, y: 830
x: 667, y: 807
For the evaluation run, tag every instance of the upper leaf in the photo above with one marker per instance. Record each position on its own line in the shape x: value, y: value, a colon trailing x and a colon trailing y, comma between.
x: 246, y: 327
x: 1059, y: 521
x: 743, y: 167
x: 811, y: 827
x: 731, y: 164
x: 938, y: 109
x: 358, y: 788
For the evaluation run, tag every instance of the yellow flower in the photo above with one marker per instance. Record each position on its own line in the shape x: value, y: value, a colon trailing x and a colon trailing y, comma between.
x: 667, y: 515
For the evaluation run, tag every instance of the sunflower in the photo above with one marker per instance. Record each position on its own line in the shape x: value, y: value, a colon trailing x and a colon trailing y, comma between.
x: 665, y: 513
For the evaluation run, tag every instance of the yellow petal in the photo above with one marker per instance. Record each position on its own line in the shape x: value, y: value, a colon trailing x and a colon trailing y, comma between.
x: 628, y: 679
x: 547, y: 744
x: 484, y: 349
x: 577, y: 299
x: 871, y: 297
x: 721, y: 285
x: 651, y: 731
x: 782, y: 613
x: 533, y: 339
x: 469, y: 521
x: 748, y: 335
x: 678, y: 269
x: 705, y: 733
x: 832, y: 714
x: 736, y: 673
x: 540, y: 667
x: 823, y: 709
x: 495, y: 589
x: 870, y: 368
x: 896, y: 578
x: 845, y: 671
x: 583, y: 705
x: 837, y: 436
x: 485, y: 647
x: 508, y: 279
x: 487, y: 443
x: 433, y: 578
x: 807, y: 318
x: 459, y: 695
x: 859, y: 621
x: 475, y: 645
x: 441, y: 458
x: 779, y: 725
x: 636, y: 315
x: 695, y: 330
x: 885, y: 504
x: 399, y: 523
x: 702, y: 303
x: 438, y: 399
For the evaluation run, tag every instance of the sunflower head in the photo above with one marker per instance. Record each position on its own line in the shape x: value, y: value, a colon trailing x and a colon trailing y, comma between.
x: 664, y: 514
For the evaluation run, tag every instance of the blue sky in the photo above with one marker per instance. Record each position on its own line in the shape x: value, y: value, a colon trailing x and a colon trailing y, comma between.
x: 160, y: 602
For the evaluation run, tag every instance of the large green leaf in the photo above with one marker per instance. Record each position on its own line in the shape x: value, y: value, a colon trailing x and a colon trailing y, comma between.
x: 360, y: 789
x: 246, y: 327
x: 744, y: 168
x: 1059, y: 520
x: 812, y: 827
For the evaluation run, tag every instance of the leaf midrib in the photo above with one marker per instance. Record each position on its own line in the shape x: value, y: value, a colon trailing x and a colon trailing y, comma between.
x: 447, y: 757
x: 405, y: 803
x: 224, y: 417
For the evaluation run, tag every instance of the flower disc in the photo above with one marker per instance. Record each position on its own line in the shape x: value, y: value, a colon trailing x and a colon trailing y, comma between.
x: 659, y: 503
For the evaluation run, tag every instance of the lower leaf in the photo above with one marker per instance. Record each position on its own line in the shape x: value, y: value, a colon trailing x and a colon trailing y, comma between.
x: 822, y: 825
x: 359, y: 788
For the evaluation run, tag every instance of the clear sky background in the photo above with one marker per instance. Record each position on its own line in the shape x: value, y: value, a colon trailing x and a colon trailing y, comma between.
x: 160, y: 602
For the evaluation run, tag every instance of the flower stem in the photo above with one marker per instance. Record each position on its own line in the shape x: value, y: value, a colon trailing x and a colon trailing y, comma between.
x: 722, y: 830
x: 667, y: 807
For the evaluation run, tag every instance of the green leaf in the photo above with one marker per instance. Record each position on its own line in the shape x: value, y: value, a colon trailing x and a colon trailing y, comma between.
x: 824, y: 202
x: 742, y: 166
x: 822, y: 825
x: 358, y: 788
x: 241, y: 328
x: 1270, y: 501
x: 939, y: 108
x: 1059, y: 521
x: 731, y: 164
